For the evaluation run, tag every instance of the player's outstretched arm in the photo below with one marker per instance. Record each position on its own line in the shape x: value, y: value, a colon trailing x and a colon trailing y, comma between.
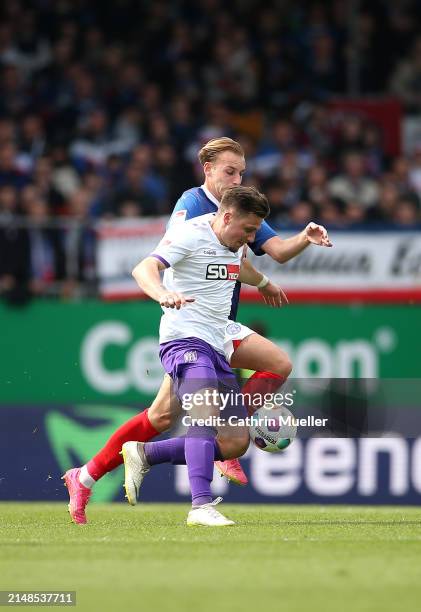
x: 250, y: 276
x: 283, y: 250
x: 147, y: 275
x: 271, y: 293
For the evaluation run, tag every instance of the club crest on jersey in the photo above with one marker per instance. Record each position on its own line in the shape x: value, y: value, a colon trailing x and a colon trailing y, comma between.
x: 223, y: 272
x: 233, y: 329
x: 190, y: 356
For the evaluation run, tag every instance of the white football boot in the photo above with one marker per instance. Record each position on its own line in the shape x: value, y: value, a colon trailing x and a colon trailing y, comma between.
x: 135, y: 469
x: 208, y: 516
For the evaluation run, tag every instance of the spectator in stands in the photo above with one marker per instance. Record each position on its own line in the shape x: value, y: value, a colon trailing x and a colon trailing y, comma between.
x: 400, y: 173
x: 350, y: 136
x: 406, y: 80
x: 315, y: 188
x: 42, y: 180
x: 330, y: 213
x: 386, y: 205
x: 29, y: 52
x: 64, y: 177
x: 15, y: 98
x: 79, y: 242
x: 9, y: 171
x: 354, y: 214
x: 45, y: 248
x: 353, y: 184
x: 14, y: 248
x: 96, y: 142
x: 275, y: 194
x: 406, y: 213
x: 414, y: 173
x: 133, y: 198
x: 302, y: 213
x: 32, y: 141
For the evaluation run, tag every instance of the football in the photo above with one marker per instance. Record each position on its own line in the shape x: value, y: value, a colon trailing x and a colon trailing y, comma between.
x: 272, y: 429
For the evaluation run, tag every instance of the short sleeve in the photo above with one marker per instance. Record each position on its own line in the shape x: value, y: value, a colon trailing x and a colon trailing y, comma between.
x: 173, y: 247
x: 189, y: 206
x: 185, y: 209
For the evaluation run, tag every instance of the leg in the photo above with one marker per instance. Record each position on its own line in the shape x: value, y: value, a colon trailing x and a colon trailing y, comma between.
x: 260, y: 354
x: 197, y: 449
x: 271, y: 363
x: 246, y: 349
x: 197, y: 382
x: 165, y: 409
x: 233, y: 444
x: 143, y: 427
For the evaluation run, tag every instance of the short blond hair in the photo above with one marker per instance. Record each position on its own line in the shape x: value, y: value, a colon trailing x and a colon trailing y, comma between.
x: 214, y: 147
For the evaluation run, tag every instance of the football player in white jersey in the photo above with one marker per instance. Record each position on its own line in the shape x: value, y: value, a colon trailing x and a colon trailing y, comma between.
x: 196, y: 295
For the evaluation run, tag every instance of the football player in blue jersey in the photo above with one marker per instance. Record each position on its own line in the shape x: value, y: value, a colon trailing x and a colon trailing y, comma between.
x: 223, y: 164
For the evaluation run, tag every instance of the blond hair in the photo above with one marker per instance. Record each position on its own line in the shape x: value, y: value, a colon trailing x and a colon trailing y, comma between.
x: 214, y: 147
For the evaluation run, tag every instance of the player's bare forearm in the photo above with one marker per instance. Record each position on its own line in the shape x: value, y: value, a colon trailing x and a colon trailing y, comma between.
x: 249, y: 275
x: 147, y: 276
x: 271, y: 294
x: 282, y: 250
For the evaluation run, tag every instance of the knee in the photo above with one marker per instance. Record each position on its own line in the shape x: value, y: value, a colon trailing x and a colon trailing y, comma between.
x: 160, y: 422
x: 160, y: 417
x: 282, y: 366
x: 287, y: 367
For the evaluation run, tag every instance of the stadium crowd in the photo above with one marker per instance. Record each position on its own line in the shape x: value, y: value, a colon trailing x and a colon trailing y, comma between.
x: 104, y: 106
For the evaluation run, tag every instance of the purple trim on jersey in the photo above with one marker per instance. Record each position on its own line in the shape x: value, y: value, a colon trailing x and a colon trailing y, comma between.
x: 161, y: 259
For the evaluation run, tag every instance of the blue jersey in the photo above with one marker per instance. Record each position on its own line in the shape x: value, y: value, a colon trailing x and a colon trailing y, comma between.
x: 193, y: 203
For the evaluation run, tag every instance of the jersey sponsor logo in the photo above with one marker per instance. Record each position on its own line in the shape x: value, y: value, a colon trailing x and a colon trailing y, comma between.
x: 223, y: 272
x: 190, y: 356
x: 209, y: 252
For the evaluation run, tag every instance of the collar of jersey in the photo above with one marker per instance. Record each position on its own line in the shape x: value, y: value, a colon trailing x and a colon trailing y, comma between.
x: 210, y: 196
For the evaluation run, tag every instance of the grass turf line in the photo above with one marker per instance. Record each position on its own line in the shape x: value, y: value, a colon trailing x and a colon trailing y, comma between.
x: 292, y: 558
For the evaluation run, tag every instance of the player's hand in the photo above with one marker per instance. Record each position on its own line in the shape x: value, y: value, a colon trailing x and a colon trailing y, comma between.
x: 171, y: 299
x: 317, y: 234
x: 273, y: 295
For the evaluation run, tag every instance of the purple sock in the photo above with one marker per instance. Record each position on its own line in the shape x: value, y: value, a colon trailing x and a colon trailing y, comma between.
x: 200, y: 454
x: 165, y: 451
x: 172, y: 451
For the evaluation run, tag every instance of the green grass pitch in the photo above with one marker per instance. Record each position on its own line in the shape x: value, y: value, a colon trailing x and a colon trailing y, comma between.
x: 288, y: 558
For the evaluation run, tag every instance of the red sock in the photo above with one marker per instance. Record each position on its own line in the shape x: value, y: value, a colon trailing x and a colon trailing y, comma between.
x: 138, y: 428
x: 258, y: 385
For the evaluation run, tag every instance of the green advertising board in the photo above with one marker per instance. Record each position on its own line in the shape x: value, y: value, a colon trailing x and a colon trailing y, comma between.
x: 90, y: 352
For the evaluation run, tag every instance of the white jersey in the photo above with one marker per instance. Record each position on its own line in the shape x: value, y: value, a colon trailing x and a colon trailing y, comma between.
x: 199, y: 266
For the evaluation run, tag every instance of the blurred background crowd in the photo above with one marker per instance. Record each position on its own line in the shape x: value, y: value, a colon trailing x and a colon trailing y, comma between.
x: 104, y: 106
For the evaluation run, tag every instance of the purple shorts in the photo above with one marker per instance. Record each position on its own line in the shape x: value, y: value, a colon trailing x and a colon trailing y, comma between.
x: 193, y: 364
